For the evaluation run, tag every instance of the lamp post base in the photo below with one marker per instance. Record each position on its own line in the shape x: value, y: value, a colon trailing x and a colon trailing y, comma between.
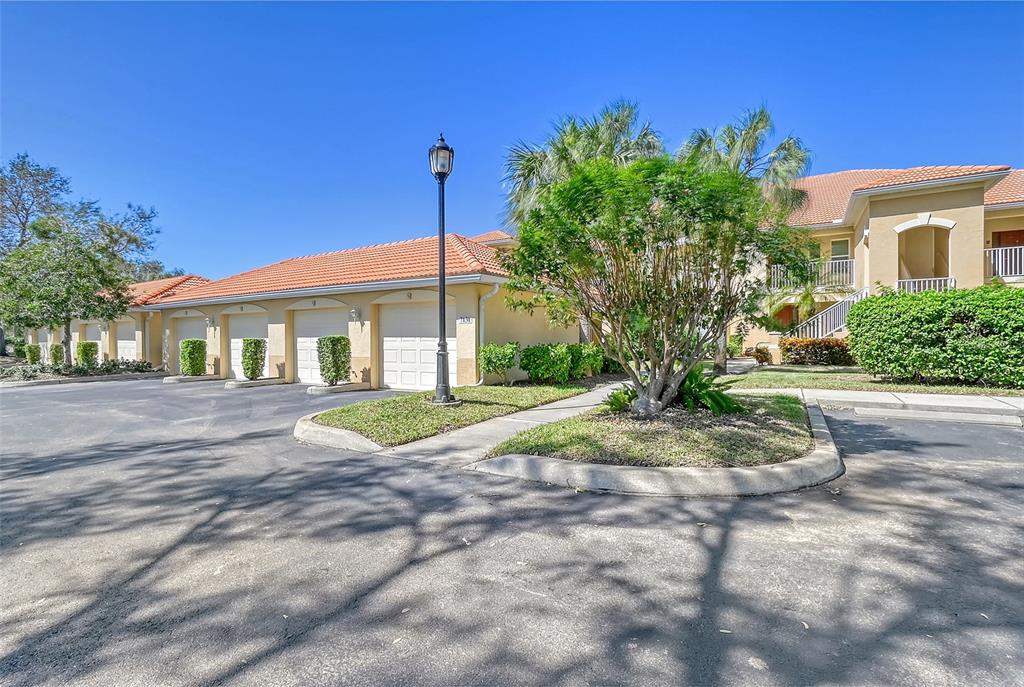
x: 451, y: 403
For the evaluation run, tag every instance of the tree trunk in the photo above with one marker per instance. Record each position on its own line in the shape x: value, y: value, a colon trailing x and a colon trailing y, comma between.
x: 67, y: 343
x: 722, y: 354
x: 646, y: 405
x: 3, y: 341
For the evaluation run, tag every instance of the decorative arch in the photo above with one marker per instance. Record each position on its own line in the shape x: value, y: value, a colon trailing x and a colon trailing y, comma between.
x: 243, y: 308
x: 411, y: 296
x: 924, y: 219
x: 187, y: 312
x: 319, y: 302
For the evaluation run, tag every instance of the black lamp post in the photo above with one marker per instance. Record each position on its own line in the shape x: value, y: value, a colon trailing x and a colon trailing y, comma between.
x: 441, y: 157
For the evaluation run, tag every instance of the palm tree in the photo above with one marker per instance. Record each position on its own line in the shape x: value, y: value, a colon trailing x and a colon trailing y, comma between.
x: 613, y: 134
x: 742, y: 147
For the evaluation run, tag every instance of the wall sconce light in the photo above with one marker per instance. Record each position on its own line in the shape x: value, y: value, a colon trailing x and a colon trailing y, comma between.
x: 353, y: 315
x: 211, y: 321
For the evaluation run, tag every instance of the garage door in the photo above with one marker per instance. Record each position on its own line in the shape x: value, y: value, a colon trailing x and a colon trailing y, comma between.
x: 189, y: 328
x: 126, y: 347
x: 43, y: 337
x: 246, y: 327
x: 309, y: 326
x: 409, y: 334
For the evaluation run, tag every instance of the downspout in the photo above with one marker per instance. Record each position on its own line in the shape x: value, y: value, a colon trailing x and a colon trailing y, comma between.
x: 480, y: 324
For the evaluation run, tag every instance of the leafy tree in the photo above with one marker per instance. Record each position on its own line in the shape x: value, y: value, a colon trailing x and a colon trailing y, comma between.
x: 744, y: 148
x: 614, y: 134
x: 61, y: 276
x: 148, y: 270
x: 656, y: 256
x: 28, y: 192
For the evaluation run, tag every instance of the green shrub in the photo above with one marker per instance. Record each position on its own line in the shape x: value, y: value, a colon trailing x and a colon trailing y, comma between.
x: 612, y: 365
x: 826, y: 351
x: 87, y: 353
x: 963, y: 336
x: 193, y: 357
x: 56, y: 355
x: 20, y: 373
x: 735, y: 346
x: 254, y: 355
x: 547, y: 363
x: 620, y: 400
x: 335, y: 358
x: 499, y: 359
x: 701, y: 390
x: 17, y: 345
x: 593, y: 358
x: 33, y: 354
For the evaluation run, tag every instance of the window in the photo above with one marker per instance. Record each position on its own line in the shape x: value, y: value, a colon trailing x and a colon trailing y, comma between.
x: 840, y: 249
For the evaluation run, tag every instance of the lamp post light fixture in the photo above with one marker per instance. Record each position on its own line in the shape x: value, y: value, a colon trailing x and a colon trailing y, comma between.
x: 441, y: 156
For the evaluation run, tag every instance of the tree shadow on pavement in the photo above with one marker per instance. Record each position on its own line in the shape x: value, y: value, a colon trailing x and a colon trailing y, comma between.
x: 196, y: 562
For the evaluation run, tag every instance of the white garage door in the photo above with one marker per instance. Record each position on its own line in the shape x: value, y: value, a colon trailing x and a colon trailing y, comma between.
x: 126, y: 347
x: 246, y: 327
x: 409, y: 334
x: 309, y: 326
x: 189, y: 328
x: 43, y: 336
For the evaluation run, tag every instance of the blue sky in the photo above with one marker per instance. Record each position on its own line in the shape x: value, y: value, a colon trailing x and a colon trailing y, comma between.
x: 262, y: 131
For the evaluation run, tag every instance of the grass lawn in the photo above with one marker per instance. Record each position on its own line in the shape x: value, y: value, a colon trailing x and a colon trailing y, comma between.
x: 819, y: 377
x: 401, y: 419
x: 775, y: 429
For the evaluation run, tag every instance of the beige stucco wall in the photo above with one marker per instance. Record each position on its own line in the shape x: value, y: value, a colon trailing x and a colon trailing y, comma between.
x: 500, y: 324
x: 964, y: 205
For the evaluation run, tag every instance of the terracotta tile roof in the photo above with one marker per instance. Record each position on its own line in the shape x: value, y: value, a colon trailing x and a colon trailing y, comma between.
x: 915, y: 175
x: 1010, y: 189
x: 416, y: 258
x: 147, y: 291
x: 496, y: 235
x: 829, y: 194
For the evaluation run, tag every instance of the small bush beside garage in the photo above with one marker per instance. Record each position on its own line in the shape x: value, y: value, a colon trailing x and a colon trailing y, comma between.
x: 826, y: 351
x: 193, y: 357
x: 560, y: 362
x: 33, y: 354
x: 963, y: 336
x: 87, y: 353
x: 56, y: 355
x: 335, y: 354
x: 254, y: 356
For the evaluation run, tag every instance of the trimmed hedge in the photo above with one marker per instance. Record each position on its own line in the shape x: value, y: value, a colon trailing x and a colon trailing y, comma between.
x: 826, y: 351
x: 560, y: 362
x: 499, y: 359
x: 87, y: 353
x: 193, y: 357
x: 965, y: 336
x: 335, y: 353
x: 56, y: 355
x: 33, y: 354
x: 254, y: 355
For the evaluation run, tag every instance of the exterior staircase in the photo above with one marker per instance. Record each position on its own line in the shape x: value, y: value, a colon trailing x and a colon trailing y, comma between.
x: 830, y: 320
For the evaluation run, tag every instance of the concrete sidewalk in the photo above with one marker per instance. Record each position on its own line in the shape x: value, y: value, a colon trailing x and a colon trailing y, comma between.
x: 471, y: 444
x: 938, y: 403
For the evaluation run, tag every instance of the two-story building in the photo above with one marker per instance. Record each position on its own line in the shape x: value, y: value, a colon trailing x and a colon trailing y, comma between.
x: 916, y: 229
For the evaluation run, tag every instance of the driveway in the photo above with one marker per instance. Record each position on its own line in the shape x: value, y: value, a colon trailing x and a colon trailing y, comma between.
x: 176, y: 534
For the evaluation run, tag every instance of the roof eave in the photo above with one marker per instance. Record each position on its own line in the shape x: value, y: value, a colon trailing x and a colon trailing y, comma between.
x: 421, y: 282
x: 990, y: 178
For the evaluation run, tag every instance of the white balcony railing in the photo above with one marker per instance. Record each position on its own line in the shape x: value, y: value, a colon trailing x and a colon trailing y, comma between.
x: 929, y: 284
x: 1005, y: 262
x: 839, y: 273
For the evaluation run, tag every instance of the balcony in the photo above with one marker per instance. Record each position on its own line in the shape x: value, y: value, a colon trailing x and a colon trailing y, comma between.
x: 830, y: 273
x: 927, y: 284
x: 1004, y: 262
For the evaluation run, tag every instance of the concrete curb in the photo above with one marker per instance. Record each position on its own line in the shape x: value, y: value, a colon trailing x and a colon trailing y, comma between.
x: 183, y: 379
x: 317, y: 390
x: 822, y: 465
x: 943, y: 403
x: 81, y: 380
x: 249, y: 383
x: 310, y: 432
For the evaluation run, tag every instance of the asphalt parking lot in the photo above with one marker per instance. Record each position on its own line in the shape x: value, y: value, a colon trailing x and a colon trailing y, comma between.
x: 177, y: 534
